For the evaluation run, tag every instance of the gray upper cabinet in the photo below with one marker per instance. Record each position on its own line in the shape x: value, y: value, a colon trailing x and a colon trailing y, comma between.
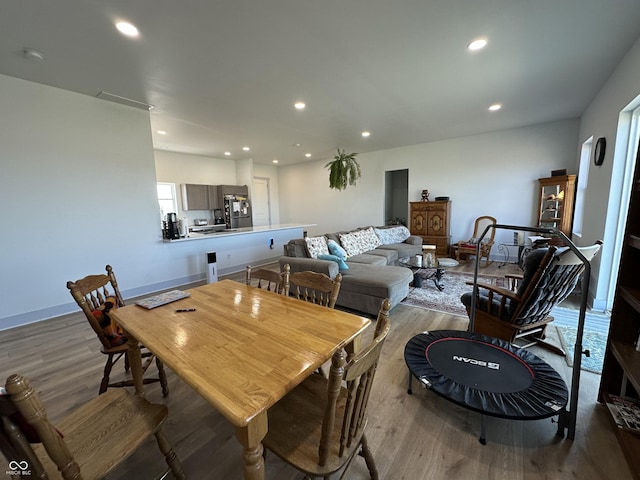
x: 195, y: 197
x: 214, y: 201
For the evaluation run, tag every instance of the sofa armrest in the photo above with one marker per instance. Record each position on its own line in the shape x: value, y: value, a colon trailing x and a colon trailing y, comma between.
x: 414, y: 240
x: 300, y: 264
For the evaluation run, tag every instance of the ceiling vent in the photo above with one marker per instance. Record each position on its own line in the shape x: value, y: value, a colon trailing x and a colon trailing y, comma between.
x: 123, y: 100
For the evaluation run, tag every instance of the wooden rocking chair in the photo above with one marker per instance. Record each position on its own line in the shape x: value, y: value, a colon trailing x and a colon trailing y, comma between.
x: 550, y: 275
x: 469, y: 247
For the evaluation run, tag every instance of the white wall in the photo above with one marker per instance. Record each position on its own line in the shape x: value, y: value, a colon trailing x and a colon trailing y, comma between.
x: 604, y: 118
x: 78, y: 191
x: 491, y: 174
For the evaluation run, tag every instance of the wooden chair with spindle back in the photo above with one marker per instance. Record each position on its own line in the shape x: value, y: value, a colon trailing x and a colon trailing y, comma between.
x: 319, y: 427
x: 270, y: 280
x: 96, y: 295
x: 88, y: 443
x: 315, y: 287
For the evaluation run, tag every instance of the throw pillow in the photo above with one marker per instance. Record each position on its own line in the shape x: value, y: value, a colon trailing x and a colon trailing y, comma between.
x: 359, y: 241
x: 391, y: 235
x: 342, y: 265
x: 112, y: 331
x: 336, y: 249
x: 316, y: 246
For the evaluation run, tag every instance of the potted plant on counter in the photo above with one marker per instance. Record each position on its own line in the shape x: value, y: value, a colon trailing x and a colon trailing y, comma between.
x: 343, y: 170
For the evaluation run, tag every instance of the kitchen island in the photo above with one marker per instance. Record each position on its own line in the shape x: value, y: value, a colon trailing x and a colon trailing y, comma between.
x: 235, y: 248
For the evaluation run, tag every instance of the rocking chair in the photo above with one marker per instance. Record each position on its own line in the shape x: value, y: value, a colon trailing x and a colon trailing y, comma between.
x: 470, y: 247
x: 550, y: 275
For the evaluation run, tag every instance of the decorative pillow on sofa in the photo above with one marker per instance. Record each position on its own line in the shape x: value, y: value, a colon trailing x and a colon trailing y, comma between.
x: 316, y: 246
x: 392, y: 235
x: 336, y: 249
x: 359, y: 241
x: 341, y: 263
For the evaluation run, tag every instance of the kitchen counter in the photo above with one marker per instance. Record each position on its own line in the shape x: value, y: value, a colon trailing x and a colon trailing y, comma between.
x: 238, y: 231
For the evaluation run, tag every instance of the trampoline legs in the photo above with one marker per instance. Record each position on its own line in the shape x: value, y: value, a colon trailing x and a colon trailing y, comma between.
x: 483, y: 430
x: 409, y: 389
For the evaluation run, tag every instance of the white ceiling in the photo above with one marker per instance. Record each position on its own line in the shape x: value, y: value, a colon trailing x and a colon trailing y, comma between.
x: 223, y: 74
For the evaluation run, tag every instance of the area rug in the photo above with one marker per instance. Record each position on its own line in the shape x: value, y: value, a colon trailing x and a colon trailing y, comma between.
x: 592, y: 341
x: 448, y: 300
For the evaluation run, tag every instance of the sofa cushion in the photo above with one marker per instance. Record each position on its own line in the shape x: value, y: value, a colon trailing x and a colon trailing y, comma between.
x: 342, y: 265
x: 359, y: 241
x: 375, y: 280
x: 296, y: 248
x: 395, y: 234
x: 367, y: 259
x: 317, y: 246
x: 403, y: 249
x: 389, y: 254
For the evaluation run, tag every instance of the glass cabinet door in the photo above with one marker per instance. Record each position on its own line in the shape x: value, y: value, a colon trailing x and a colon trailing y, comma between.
x: 555, y: 209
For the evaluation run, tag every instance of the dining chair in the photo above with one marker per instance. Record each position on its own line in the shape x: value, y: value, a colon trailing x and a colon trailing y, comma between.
x: 315, y: 287
x: 319, y: 427
x: 97, y: 295
x: 270, y: 280
x: 87, y: 444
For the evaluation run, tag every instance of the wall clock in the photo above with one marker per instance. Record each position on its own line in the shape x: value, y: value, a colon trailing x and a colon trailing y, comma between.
x: 598, y: 154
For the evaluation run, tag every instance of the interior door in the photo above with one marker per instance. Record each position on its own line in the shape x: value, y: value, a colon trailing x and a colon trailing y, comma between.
x: 261, y: 202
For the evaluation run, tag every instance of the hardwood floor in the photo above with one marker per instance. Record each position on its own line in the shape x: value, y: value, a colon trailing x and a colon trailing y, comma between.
x: 412, y: 437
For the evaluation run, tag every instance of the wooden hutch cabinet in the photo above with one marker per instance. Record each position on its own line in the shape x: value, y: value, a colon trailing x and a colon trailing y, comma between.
x: 555, y: 209
x: 430, y: 220
x: 621, y: 370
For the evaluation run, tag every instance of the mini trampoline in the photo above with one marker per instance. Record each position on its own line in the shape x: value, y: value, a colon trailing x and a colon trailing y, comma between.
x: 487, y: 375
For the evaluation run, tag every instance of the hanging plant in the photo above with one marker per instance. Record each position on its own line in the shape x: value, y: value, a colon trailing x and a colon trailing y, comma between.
x: 343, y: 170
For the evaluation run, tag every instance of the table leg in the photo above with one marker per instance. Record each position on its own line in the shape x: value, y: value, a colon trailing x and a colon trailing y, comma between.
x: 250, y: 437
x: 135, y: 362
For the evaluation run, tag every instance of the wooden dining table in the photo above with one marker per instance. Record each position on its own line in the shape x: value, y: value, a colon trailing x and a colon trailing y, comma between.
x: 242, y: 349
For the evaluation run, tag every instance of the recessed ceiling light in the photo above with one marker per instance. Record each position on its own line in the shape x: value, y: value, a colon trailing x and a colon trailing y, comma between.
x: 296, y: 145
x: 246, y: 149
x: 127, y: 29
x: 299, y: 105
x: 33, y: 55
x: 495, y: 107
x: 227, y: 153
x: 477, y: 44
x: 274, y: 161
x: 161, y: 132
x: 366, y: 134
x: 307, y: 155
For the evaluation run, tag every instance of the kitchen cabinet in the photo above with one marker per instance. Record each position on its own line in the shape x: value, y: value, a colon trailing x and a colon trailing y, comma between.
x: 621, y: 369
x: 556, y: 200
x: 431, y: 221
x: 199, y: 197
x: 195, y: 197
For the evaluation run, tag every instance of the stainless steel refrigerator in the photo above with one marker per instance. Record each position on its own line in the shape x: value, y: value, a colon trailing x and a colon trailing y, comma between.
x: 237, y: 211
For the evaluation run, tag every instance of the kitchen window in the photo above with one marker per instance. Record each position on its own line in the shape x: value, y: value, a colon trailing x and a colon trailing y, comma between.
x: 167, y: 198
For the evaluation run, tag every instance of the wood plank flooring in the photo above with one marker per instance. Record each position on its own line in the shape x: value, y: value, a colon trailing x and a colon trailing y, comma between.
x: 413, y: 437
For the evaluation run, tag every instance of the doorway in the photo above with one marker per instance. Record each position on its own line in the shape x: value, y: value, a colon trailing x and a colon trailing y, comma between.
x: 261, y: 202
x: 396, y: 197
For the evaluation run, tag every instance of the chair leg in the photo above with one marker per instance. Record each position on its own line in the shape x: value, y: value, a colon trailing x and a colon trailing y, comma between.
x: 163, y: 377
x: 170, y: 456
x: 105, y: 377
x: 368, y: 458
x: 126, y: 363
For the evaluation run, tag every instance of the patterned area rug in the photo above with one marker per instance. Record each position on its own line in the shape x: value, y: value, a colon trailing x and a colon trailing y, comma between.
x: 592, y: 341
x: 448, y: 300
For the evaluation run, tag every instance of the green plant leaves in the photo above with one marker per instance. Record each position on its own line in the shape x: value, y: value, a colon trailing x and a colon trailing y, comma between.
x: 344, y: 170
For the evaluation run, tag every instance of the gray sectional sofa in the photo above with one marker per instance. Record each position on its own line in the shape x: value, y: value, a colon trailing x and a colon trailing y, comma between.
x: 372, y: 273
